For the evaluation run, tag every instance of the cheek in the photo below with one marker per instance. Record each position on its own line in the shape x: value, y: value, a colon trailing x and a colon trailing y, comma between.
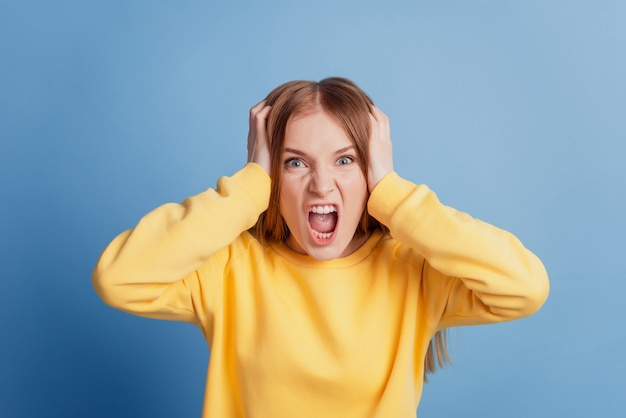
x: 288, y: 201
x: 355, y: 196
x: 356, y: 187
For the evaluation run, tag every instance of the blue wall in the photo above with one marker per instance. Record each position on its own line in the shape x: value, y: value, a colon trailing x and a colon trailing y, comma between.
x: 513, y: 111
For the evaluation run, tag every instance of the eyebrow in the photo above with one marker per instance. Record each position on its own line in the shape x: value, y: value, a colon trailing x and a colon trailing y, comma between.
x: 339, y: 151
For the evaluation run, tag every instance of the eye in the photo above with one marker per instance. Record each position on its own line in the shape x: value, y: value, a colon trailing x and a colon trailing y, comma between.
x: 294, y: 163
x: 345, y: 160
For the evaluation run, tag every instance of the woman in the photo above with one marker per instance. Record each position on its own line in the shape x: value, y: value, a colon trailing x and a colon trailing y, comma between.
x: 317, y: 274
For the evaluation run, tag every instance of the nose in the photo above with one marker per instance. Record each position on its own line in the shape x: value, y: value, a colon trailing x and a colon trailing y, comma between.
x: 322, y: 182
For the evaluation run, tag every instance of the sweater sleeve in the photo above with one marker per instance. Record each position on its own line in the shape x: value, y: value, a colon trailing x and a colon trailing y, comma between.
x: 473, y: 273
x: 150, y: 270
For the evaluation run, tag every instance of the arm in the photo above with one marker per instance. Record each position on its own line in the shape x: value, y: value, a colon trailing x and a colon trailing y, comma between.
x: 150, y: 270
x: 142, y: 269
x: 473, y: 272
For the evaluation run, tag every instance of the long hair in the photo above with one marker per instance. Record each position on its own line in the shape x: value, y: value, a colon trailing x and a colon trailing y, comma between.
x: 342, y: 99
x: 350, y: 106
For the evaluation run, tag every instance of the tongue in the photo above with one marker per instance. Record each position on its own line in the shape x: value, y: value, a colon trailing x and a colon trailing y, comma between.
x: 323, y: 223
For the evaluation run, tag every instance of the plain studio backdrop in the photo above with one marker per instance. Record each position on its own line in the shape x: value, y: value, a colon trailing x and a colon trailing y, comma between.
x: 512, y: 111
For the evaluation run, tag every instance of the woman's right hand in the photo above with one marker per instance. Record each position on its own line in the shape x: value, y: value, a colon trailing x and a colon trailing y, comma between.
x: 258, y: 142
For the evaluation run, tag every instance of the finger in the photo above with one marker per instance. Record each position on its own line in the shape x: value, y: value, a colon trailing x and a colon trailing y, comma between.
x: 264, y: 111
x: 382, y: 123
x: 261, y: 118
x: 256, y: 109
x: 378, y: 114
x: 258, y: 106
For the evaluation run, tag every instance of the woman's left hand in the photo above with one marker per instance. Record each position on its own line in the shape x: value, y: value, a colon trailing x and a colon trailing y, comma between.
x: 380, y: 148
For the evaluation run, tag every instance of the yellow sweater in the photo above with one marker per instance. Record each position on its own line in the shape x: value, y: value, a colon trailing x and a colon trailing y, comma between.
x: 291, y: 336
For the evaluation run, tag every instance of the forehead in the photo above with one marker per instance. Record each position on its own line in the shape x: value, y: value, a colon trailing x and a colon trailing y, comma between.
x: 316, y: 130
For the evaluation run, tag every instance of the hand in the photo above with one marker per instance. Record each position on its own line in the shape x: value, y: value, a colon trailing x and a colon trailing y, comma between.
x: 258, y: 143
x: 380, y: 148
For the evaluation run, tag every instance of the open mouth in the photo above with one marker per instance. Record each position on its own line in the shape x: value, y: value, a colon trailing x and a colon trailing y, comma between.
x: 322, y: 222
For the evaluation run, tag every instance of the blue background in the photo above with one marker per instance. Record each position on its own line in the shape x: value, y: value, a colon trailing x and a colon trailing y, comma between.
x: 513, y: 111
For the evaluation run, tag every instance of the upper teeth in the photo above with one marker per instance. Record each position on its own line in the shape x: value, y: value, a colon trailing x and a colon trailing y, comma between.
x: 323, y: 209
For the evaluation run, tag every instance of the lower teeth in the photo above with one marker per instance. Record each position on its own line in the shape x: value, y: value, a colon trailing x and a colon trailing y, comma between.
x: 322, y: 235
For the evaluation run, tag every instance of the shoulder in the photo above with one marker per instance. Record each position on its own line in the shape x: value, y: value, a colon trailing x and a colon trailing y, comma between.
x: 244, y: 245
x: 396, y: 252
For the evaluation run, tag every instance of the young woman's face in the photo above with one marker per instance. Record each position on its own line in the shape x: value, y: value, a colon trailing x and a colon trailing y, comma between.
x: 323, y: 191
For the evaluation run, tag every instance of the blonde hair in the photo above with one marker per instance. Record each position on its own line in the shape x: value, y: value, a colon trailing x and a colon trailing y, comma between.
x: 342, y: 99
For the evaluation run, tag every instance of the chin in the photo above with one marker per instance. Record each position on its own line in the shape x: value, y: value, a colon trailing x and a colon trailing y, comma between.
x: 324, y: 255
x: 323, y: 250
